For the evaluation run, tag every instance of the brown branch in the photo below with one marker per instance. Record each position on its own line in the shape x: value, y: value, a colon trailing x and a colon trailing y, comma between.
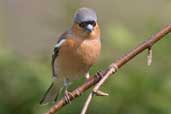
x: 112, y: 68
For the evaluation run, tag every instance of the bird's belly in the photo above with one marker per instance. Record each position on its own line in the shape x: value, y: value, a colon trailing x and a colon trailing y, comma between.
x: 76, y: 60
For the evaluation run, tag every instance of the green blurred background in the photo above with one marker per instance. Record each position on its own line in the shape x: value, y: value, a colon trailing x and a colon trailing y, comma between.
x: 29, y: 29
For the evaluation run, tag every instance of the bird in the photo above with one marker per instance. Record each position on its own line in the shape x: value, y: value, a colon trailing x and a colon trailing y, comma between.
x: 76, y: 50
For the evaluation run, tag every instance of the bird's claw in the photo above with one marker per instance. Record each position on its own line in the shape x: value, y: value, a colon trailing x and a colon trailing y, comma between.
x: 67, y: 96
x: 100, y: 73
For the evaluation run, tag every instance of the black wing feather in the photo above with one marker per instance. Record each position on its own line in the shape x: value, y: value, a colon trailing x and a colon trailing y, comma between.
x: 56, y: 52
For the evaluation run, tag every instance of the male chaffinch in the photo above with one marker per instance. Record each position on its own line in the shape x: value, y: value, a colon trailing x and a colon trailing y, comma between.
x: 76, y: 51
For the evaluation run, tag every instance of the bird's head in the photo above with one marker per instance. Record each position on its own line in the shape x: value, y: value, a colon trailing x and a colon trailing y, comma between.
x: 85, y: 23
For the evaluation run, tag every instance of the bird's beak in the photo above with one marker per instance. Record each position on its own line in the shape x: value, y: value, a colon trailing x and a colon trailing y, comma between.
x: 89, y: 28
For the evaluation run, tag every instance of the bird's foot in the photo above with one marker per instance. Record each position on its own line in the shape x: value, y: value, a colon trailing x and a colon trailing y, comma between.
x: 100, y: 74
x: 67, y: 95
x: 99, y: 92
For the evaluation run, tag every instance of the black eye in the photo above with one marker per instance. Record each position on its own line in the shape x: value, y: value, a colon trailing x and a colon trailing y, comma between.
x: 84, y: 24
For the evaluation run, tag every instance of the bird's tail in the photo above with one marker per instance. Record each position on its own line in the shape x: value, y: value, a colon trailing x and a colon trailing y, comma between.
x: 51, y: 94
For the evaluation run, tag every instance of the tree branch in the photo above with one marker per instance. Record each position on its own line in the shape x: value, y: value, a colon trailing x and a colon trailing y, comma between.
x: 111, y: 69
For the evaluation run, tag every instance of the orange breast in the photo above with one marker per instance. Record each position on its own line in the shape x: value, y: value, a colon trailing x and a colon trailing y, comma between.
x: 76, y: 57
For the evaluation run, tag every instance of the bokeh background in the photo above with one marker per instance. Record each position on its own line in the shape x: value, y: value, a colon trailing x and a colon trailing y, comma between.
x: 29, y: 29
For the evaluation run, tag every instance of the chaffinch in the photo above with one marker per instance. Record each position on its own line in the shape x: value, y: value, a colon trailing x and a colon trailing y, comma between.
x: 75, y: 52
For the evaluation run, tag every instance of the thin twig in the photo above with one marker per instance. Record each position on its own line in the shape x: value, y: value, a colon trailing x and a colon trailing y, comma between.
x: 149, y: 56
x: 87, y: 103
x: 119, y: 63
x: 112, y: 69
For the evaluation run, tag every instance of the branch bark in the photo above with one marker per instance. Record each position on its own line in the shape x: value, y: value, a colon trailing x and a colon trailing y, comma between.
x: 111, y: 69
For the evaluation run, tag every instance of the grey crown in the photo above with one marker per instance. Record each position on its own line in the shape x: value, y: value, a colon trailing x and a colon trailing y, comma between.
x: 85, y: 14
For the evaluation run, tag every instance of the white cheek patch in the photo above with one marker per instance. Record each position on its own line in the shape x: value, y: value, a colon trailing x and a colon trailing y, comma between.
x: 59, y: 43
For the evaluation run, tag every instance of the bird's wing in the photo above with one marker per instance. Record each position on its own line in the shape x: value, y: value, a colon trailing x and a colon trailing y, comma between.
x: 56, y: 49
